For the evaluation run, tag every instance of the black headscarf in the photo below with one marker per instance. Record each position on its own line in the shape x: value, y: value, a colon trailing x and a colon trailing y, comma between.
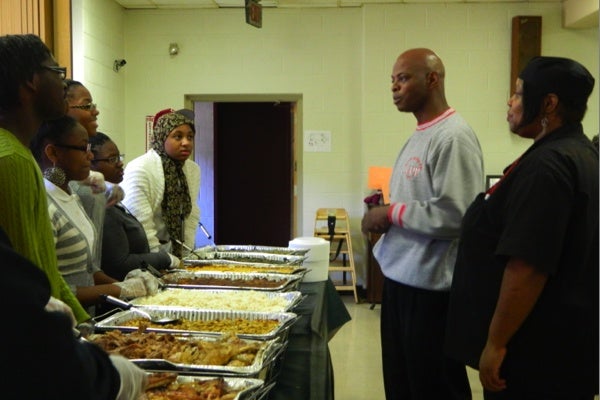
x: 566, y: 78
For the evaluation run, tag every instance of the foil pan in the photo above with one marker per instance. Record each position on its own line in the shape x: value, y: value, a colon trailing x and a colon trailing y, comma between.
x: 247, y: 256
x: 220, y: 280
x: 118, y: 320
x: 254, y: 267
x: 240, y: 300
x: 249, y: 388
x: 262, y: 249
x: 270, y: 351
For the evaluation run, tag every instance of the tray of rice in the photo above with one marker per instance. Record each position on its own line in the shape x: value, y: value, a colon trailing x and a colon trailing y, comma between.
x: 173, y: 386
x: 235, y: 300
x: 220, y: 280
x: 246, y: 325
x: 227, y: 355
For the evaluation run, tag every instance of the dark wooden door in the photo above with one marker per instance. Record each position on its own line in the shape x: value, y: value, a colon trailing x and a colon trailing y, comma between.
x: 253, y: 173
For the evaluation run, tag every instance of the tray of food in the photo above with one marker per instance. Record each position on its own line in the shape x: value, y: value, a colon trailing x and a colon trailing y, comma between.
x: 241, y: 267
x: 246, y: 325
x: 226, y: 355
x: 173, y: 386
x: 246, y: 256
x: 261, y: 249
x: 240, y: 300
x: 220, y: 280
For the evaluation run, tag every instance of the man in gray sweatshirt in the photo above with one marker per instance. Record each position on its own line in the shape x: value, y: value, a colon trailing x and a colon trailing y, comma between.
x: 437, y: 174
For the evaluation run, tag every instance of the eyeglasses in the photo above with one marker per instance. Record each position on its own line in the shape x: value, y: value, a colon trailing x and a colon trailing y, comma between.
x: 87, y: 107
x: 61, y: 71
x: 85, y: 148
x: 111, y: 160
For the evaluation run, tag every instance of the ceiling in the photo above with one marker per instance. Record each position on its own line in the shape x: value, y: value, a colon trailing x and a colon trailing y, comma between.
x: 179, y: 4
x: 576, y: 13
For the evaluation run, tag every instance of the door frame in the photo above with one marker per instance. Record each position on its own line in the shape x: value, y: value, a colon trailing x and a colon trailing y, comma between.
x: 296, y: 139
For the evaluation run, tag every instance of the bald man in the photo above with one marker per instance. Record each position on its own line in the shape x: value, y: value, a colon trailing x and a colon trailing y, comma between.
x: 437, y: 174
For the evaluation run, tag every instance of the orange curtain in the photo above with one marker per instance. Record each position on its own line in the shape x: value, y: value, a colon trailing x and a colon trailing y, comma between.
x: 49, y: 19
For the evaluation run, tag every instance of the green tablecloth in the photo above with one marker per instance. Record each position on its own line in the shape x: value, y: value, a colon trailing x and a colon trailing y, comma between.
x: 305, y: 371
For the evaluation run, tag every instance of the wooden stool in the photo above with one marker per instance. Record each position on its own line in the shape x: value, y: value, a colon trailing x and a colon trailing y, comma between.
x: 342, y: 258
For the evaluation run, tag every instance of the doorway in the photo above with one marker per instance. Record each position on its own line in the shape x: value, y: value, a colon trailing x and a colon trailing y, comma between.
x: 248, y: 158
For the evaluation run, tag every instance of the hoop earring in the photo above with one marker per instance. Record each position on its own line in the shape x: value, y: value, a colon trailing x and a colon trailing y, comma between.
x: 55, y: 175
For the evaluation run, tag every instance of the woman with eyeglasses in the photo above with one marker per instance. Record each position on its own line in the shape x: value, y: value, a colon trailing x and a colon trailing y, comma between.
x: 95, y: 194
x: 62, y: 150
x: 81, y: 106
x: 124, y: 243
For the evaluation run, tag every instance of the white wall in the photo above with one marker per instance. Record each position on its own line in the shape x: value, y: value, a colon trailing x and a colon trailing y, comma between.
x: 338, y: 59
x: 97, y: 41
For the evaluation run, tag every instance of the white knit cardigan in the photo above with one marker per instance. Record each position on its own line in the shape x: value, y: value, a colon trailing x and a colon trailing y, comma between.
x: 144, y: 186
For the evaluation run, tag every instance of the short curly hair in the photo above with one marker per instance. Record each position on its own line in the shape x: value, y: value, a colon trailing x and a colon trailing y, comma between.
x: 22, y: 56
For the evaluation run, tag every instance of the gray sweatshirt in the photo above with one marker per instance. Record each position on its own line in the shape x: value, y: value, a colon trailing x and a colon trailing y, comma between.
x: 437, y: 175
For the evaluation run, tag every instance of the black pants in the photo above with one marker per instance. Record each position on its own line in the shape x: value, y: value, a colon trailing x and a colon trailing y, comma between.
x: 412, y: 335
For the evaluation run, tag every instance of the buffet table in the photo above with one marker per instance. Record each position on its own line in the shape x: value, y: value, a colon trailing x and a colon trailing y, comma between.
x: 305, y: 370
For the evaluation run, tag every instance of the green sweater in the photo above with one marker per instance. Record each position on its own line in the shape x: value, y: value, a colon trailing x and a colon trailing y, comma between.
x: 24, y: 215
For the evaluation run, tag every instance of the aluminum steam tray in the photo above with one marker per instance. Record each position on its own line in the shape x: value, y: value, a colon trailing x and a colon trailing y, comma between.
x: 234, y: 300
x: 262, y: 249
x: 249, y: 388
x: 247, y: 256
x: 222, y: 280
x: 269, y: 351
x: 119, y: 320
x: 242, y: 267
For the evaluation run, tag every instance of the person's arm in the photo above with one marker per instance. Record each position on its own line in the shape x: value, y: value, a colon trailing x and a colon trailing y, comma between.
x: 521, y: 286
x: 139, y: 197
x: 24, y: 216
x: 57, y: 365
x: 121, y: 229
x: 90, y: 295
x: 192, y: 221
x: 376, y: 220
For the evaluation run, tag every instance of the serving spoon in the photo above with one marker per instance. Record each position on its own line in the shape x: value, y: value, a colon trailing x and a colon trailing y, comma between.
x: 128, y: 306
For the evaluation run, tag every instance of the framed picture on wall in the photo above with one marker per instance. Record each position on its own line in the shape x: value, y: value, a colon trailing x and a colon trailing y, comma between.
x: 149, y: 126
x: 491, y: 180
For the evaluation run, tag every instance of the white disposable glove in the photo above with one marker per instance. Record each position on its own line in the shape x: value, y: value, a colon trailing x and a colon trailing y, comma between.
x: 175, y: 262
x: 133, y: 379
x: 57, y: 305
x: 150, y: 281
x: 114, y: 194
x: 131, y: 288
x: 95, y: 181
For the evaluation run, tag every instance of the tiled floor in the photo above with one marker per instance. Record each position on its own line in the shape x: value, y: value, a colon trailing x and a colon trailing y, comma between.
x: 356, y: 355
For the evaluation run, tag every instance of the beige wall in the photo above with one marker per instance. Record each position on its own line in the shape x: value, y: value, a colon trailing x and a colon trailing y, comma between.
x: 338, y: 59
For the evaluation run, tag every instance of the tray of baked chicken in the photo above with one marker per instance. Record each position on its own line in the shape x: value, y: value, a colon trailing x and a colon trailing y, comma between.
x: 245, y: 256
x: 224, y: 280
x: 173, y: 386
x: 240, y: 267
x: 226, y: 299
x: 246, y: 325
x: 226, y: 355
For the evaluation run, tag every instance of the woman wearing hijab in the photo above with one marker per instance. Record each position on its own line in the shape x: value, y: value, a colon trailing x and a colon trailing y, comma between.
x: 524, y: 298
x: 162, y: 186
